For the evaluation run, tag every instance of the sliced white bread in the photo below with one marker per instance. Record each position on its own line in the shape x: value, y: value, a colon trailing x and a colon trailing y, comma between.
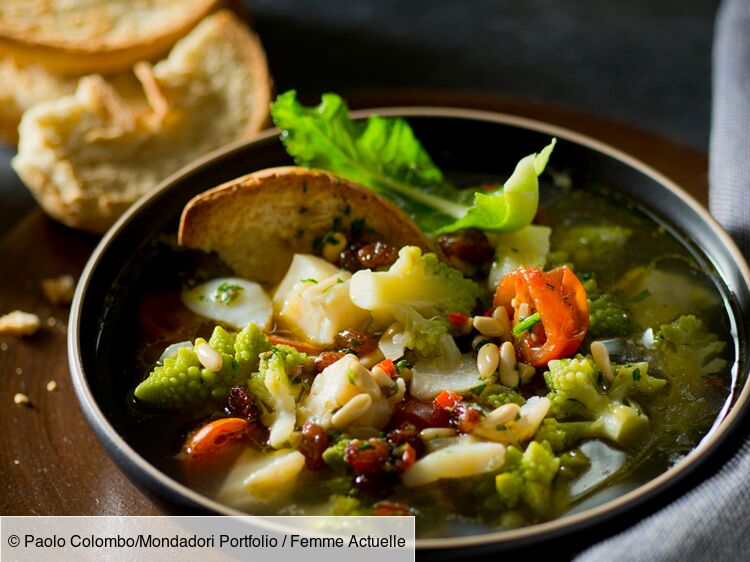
x: 86, y: 157
x: 79, y: 36
x: 256, y: 223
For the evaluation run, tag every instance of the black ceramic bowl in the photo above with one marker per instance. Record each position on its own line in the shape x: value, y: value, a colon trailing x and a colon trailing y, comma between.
x: 460, y: 140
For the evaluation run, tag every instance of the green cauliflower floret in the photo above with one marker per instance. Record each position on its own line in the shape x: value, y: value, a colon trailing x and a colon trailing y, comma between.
x: 492, y: 395
x: 686, y: 350
x: 587, y: 244
x: 608, y: 317
x: 279, y: 373
x: 182, y: 381
x: 630, y: 379
x: 565, y: 435
x: 418, y: 291
x: 333, y: 456
x: 576, y: 394
x: 527, y: 477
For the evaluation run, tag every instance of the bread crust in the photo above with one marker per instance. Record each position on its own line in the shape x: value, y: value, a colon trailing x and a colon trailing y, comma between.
x: 112, y: 34
x: 256, y: 223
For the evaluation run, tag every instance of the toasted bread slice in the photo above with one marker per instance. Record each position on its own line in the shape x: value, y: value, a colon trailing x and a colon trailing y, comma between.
x: 88, y: 156
x: 80, y: 36
x: 257, y: 223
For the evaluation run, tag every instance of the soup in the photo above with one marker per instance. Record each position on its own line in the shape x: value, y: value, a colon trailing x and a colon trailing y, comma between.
x: 502, y: 379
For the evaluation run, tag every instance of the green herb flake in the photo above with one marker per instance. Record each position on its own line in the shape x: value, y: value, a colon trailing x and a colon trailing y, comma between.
x: 644, y: 294
x: 350, y: 376
x: 365, y: 446
x: 527, y: 323
x: 477, y: 390
x: 308, y: 280
x: 402, y: 366
x: 636, y: 374
x: 226, y: 293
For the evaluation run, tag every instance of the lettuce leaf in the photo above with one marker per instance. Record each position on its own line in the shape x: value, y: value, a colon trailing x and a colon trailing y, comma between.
x: 383, y: 154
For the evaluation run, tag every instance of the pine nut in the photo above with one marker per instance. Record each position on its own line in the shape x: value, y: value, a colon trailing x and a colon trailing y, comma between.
x: 523, y: 310
x: 502, y: 415
x: 508, y: 373
x: 488, y: 326
x: 333, y: 246
x: 209, y: 357
x: 526, y: 372
x: 351, y: 410
x: 436, y: 433
x: 501, y: 315
x: 601, y: 357
x: 381, y: 377
x: 488, y: 357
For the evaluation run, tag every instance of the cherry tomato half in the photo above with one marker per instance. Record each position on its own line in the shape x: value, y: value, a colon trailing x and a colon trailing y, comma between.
x: 560, y: 300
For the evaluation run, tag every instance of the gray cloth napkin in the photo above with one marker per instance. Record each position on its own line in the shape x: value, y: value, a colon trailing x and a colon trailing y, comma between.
x: 711, y: 522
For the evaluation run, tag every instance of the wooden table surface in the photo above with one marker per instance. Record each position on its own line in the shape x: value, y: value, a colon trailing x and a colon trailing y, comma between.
x: 50, y: 461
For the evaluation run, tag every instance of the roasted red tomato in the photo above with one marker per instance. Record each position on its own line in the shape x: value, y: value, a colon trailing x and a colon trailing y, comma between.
x: 560, y: 300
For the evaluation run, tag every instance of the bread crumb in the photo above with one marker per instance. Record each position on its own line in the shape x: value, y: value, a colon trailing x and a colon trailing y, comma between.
x: 16, y: 461
x: 19, y: 323
x: 21, y: 399
x: 3, y: 346
x: 51, y: 321
x: 51, y: 386
x: 59, y: 290
x: 19, y: 371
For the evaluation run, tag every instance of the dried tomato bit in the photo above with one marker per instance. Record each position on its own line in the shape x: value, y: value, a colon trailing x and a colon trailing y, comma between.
x: 368, y: 457
x: 389, y: 367
x: 447, y: 399
x: 457, y: 319
x: 404, y: 456
x: 466, y: 418
x: 313, y: 444
x: 392, y: 509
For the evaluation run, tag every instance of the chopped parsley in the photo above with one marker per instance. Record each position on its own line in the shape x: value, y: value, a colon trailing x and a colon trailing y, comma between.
x: 226, y: 293
x: 308, y: 280
x: 636, y: 374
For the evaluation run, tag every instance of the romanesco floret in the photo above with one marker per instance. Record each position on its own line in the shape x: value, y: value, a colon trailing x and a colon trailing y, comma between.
x: 417, y: 291
x: 576, y: 394
x: 181, y: 381
x: 608, y: 317
x: 527, y: 476
x: 565, y: 435
x: 685, y: 349
x: 492, y: 395
x: 248, y: 346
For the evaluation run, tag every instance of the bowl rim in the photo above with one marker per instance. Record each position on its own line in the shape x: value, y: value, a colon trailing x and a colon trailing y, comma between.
x: 117, y: 447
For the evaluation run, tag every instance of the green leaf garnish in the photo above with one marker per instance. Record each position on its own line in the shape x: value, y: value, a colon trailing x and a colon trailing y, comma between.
x: 385, y: 155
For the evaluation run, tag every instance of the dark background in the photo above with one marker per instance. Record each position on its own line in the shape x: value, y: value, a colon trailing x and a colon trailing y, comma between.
x: 646, y: 62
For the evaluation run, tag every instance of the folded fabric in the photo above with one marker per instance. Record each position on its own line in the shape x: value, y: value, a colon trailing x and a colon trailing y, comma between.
x: 711, y: 522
